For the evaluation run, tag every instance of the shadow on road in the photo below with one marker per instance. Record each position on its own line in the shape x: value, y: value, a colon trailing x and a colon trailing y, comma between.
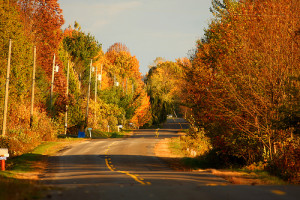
x: 91, y: 169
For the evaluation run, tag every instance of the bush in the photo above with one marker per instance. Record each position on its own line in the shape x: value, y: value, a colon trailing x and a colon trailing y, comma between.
x: 20, y: 138
x: 195, y: 142
x: 286, y: 163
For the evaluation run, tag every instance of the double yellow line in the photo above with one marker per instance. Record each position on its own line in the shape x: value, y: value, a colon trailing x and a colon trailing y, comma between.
x: 156, y: 133
x: 113, y: 169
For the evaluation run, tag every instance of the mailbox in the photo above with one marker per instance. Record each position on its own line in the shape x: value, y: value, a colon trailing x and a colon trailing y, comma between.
x: 4, y: 152
x: 3, y: 155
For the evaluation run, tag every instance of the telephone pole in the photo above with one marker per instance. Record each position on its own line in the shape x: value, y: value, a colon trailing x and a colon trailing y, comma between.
x: 88, y: 96
x: 6, y: 89
x: 32, y: 87
x: 101, y: 76
x: 67, y: 94
x: 96, y: 82
x: 52, y: 83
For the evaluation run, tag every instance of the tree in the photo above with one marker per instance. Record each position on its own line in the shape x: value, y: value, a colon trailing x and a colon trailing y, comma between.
x: 242, y: 77
x: 163, y: 88
x: 21, y: 137
x: 43, y: 19
x: 130, y: 95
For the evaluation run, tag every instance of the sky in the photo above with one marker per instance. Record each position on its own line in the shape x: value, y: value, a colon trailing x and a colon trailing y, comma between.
x: 149, y: 28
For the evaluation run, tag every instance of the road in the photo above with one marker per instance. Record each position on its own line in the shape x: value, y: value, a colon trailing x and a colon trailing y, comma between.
x: 126, y: 168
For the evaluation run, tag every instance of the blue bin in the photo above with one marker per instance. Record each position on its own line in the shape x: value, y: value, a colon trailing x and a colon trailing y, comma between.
x: 81, y: 134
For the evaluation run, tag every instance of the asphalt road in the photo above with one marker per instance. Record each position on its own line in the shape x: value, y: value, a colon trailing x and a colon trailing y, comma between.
x: 127, y: 168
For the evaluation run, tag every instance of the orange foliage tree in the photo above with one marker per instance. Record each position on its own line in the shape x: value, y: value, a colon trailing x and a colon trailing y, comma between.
x: 43, y: 20
x: 15, y: 24
x: 243, y: 86
x: 126, y: 85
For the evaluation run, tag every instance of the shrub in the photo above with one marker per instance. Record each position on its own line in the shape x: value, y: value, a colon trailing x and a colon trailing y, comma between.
x: 20, y: 138
x: 195, y: 142
x: 286, y: 163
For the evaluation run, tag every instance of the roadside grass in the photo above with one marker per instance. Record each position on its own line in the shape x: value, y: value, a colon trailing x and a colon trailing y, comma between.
x: 19, y: 181
x: 175, y: 147
x: 234, y: 174
x: 263, y: 175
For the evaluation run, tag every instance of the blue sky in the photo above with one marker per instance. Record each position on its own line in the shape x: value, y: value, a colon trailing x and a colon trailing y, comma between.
x: 149, y: 28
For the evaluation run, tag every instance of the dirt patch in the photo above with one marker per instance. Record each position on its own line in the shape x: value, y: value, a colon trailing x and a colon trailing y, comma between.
x: 163, y: 151
x: 39, y: 167
x: 239, y: 178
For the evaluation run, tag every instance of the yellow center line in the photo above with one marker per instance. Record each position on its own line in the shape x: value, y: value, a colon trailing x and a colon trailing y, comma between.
x: 156, y: 133
x: 278, y: 192
x: 107, y: 164
x: 113, y: 169
x: 180, y: 125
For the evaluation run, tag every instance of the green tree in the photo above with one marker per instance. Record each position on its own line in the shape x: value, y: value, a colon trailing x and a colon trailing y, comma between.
x: 162, y: 81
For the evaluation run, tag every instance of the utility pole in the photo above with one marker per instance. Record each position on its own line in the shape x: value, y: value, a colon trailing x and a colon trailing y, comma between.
x: 96, y: 80
x: 67, y: 94
x: 52, y: 83
x: 96, y: 88
x: 6, y: 89
x: 88, y: 96
x: 101, y: 76
x: 32, y: 86
x: 126, y: 80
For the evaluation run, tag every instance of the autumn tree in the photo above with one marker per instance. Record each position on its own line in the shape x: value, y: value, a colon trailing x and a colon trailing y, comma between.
x: 20, y: 136
x: 243, y: 85
x: 163, y: 82
x: 43, y: 19
x: 82, y: 49
x: 126, y: 85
